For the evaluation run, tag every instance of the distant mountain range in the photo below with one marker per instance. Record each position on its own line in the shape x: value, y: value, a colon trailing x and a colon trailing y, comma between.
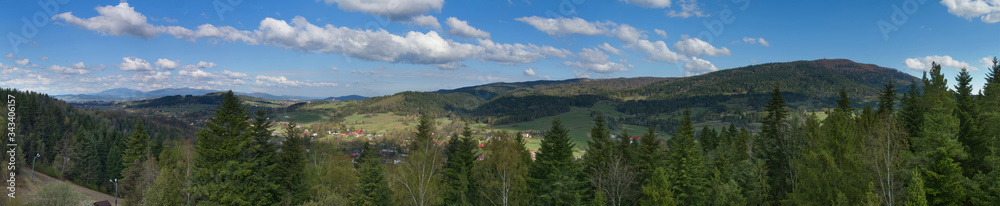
x: 126, y: 94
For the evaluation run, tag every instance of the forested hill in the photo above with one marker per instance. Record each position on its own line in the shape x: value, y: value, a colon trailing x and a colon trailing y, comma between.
x: 819, y: 78
x: 810, y: 84
x: 80, y: 145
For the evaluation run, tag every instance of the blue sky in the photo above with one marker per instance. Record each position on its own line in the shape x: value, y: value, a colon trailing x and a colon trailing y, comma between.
x: 379, y: 47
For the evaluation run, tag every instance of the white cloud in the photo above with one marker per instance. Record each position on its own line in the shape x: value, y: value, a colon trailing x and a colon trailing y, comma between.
x: 10, y: 56
x: 167, y: 64
x: 426, y: 21
x: 988, y: 11
x: 924, y: 63
x: 508, y: 54
x: 282, y: 81
x: 564, y: 26
x: 530, y: 72
x: 22, y: 62
x: 657, y: 51
x: 195, y: 73
x: 232, y: 74
x: 462, y: 29
x: 697, y: 47
x: 659, y: 4
x: 205, y: 65
x: 44, y: 58
x: 750, y: 40
x: 660, y: 32
x: 628, y: 34
x: 987, y: 62
x: 689, y: 8
x: 67, y: 70
x: 594, y: 60
x: 135, y: 64
x: 697, y: 66
x: 374, y: 45
x: 580, y: 74
x: 117, y: 20
x: 393, y: 9
x: 79, y: 65
x: 607, y: 47
x: 169, y: 20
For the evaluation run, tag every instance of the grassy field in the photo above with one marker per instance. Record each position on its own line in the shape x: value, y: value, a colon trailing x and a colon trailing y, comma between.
x: 577, y: 121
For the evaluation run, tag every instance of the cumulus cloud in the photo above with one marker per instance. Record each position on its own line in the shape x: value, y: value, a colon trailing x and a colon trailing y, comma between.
x: 660, y: 32
x: 689, y: 8
x: 462, y: 29
x: 426, y: 21
x: 988, y: 11
x: 509, y: 54
x: 697, y: 47
x: 79, y: 65
x: 656, y: 51
x: 658, y: 4
x: 697, y: 66
x: 751, y: 40
x: 232, y: 74
x: 627, y: 33
x: 195, y: 73
x: 987, y: 62
x: 10, y: 56
x: 924, y: 63
x: 594, y: 60
x: 44, y: 58
x: 205, y: 65
x: 167, y: 64
x: 282, y: 81
x: 22, y: 62
x: 67, y: 70
x: 135, y: 64
x: 530, y: 72
x: 564, y: 26
x: 607, y: 47
x: 301, y: 35
x: 400, y: 10
x: 117, y: 20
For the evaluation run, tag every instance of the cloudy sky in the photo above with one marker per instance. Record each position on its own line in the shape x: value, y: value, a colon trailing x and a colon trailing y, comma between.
x: 379, y: 47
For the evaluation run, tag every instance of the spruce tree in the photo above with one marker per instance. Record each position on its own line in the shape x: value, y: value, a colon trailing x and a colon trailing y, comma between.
x: 687, y: 171
x: 458, y: 169
x: 291, y: 163
x: 223, y: 169
x: 553, y: 175
x: 659, y: 190
x: 969, y: 133
x: 769, y: 146
x: 650, y: 156
x: 137, y: 148
x: 911, y: 112
x: 887, y: 100
x: 599, y: 151
x: 373, y: 190
x: 708, y: 138
x: 915, y: 194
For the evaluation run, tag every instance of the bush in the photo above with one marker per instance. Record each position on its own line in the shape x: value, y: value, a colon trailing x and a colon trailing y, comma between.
x: 58, y: 194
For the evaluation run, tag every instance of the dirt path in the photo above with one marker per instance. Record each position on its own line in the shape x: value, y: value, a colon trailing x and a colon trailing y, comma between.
x: 42, y: 180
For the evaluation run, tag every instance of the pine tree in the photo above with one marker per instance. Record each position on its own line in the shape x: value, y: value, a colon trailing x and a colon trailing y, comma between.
x: 223, y: 170
x: 554, y: 174
x: 709, y: 139
x: 658, y: 190
x: 458, y: 169
x: 684, y: 159
x: 911, y: 113
x: 650, y: 155
x: 137, y: 148
x: 887, y: 100
x: 599, y: 152
x: 291, y: 163
x: 915, y: 194
x: 373, y: 190
x: 969, y: 133
x: 770, y: 145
